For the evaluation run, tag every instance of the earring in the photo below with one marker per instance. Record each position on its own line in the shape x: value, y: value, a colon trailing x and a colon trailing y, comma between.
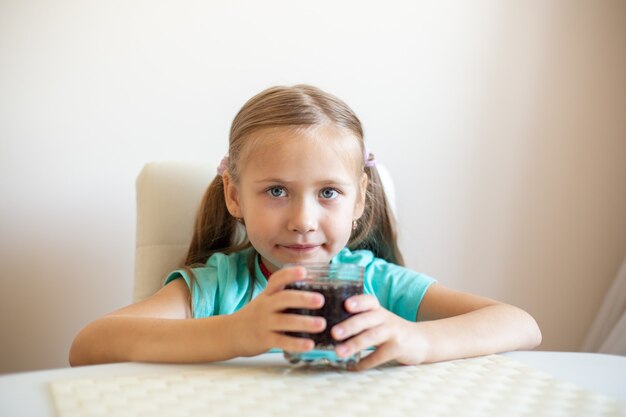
x: 355, y: 224
x: 240, y: 220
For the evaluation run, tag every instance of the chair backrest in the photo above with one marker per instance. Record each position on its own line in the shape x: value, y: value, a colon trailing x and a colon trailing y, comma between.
x: 168, y: 197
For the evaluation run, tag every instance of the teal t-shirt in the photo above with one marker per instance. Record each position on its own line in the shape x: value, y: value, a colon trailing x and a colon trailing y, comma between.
x: 222, y: 286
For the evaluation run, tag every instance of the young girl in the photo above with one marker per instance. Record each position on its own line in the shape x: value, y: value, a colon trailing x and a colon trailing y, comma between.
x: 298, y: 186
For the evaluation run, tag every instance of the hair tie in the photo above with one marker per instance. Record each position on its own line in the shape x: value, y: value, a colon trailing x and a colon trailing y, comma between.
x: 368, y: 158
x: 222, y: 166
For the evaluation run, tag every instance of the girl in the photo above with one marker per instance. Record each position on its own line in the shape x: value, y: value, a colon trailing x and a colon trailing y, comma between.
x: 298, y: 186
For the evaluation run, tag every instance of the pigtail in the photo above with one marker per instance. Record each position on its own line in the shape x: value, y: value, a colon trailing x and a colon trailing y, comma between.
x: 215, y: 229
x: 376, y: 230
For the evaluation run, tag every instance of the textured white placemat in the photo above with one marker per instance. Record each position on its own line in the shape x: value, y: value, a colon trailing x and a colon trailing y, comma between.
x: 485, y: 386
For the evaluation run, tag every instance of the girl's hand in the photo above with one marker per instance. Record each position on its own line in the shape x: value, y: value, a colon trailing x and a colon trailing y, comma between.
x: 394, y: 337
x: 262, y: 322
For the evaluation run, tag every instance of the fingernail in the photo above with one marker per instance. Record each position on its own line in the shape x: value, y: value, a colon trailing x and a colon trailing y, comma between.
x: 338, y: 331
x: 352, y: 304
x: 342, y: 350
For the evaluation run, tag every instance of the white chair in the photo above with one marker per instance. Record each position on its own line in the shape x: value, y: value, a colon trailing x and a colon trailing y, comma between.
x: 168, y: 197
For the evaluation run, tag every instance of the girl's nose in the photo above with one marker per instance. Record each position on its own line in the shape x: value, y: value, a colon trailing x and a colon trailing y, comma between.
x: 303, y: 217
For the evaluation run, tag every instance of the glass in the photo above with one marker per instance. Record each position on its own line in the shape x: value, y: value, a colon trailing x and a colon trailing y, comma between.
x: 337, y: 283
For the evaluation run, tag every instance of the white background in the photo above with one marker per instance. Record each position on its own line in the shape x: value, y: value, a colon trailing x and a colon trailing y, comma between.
x: 503, y: 124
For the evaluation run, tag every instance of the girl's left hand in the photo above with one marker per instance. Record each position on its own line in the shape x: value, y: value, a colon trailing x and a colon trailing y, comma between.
x: 394, y: 337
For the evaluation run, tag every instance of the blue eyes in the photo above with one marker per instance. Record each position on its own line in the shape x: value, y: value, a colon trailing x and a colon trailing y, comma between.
x: 326, y: 193
x: 276, y: 191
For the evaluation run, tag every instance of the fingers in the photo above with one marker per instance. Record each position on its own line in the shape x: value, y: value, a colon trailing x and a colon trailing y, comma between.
x: 283, y: 299
x: 371, y: 315
x: 291, y: 343
x: 360, y: 303
x: 372, y: 327
x: 283, y: 277
x: 308, y: 300
x: 371, y: 333
x: 297, y: 323
x: 382, y: 354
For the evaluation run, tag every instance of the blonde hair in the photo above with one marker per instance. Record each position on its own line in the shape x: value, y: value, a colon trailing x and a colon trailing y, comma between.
x: 300, y: 106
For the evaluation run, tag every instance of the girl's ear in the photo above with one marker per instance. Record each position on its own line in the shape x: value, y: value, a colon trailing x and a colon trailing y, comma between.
x: 231, y: 196
x: 359, y: 207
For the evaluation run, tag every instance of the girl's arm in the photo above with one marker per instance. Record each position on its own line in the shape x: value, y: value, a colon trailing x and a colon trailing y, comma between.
x: 160, y: 329
x: 451, y: 325
x: 456, y: 324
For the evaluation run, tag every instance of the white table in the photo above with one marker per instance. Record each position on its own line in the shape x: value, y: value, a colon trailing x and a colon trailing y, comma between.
x: 28, y: 394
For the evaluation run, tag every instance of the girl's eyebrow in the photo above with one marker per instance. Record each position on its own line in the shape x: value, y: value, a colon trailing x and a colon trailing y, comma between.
x: 328, y: 181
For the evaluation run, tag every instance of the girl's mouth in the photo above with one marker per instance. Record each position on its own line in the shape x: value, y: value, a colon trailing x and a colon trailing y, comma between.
x: 299, y: 248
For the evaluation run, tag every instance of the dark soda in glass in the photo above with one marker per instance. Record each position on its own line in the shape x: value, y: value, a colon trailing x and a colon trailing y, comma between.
x: 337, y: 283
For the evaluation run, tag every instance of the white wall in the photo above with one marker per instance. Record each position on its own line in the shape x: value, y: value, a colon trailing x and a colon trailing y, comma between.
x: 503, y: 123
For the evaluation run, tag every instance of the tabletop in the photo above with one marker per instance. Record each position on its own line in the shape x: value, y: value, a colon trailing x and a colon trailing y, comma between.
x: 537, y: 383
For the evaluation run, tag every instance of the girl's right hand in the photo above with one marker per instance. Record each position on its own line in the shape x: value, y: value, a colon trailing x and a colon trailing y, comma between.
x: 262, y: 323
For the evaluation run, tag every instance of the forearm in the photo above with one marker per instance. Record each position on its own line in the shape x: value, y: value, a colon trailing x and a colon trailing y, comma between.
x: 128, y: 338
x: 492, y: 329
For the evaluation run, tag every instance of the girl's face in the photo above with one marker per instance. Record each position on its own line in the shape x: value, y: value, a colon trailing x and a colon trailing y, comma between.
x: 298, y: 193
